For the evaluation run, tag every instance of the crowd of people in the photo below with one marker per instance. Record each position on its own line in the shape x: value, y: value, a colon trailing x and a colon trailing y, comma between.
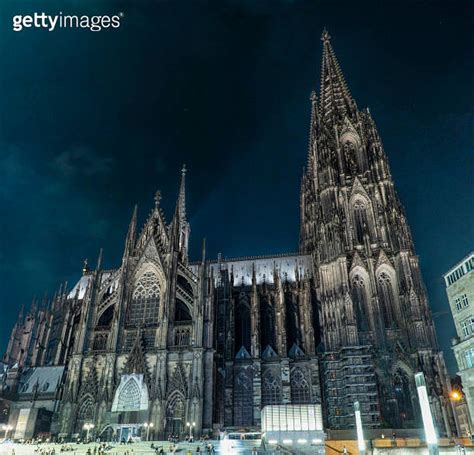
x: 204, y: 446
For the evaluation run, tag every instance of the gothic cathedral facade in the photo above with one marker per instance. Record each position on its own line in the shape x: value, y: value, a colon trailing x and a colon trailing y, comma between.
x: 166, y: 341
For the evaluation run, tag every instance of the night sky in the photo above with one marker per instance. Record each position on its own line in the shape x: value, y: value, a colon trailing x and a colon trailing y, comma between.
x: 92, y: 123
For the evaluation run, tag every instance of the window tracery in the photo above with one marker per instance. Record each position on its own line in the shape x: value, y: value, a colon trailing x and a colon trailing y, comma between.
x: 361, y: 219
x: 271, y: 390
x: 267, y: 321
x: 243, y: 399
x: 386, y: 299
x: 300, y: 391
x: 359, y: 297
x: 145, y: 303
x: 129, y: 397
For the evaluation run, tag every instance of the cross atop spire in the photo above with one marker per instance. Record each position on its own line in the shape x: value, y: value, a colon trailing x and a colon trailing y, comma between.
x: 325, y: 37
x: 336, y: 100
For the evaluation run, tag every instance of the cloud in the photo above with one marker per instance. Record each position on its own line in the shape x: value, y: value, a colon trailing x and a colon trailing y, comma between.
x: 14, y: 170
x: 81, y: 160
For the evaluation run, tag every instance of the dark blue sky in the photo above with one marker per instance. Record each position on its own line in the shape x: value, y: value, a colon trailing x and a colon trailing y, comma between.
x: 92, y: 123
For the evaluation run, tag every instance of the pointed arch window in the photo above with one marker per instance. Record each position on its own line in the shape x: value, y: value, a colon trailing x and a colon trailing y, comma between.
x: 129, y: 397
x: 386, y: 299
x: 143, y: 309
x: 361, y: 220
x: 401, y: 387
x: 271, y: 390
x: 242, y: 326
x: 359, y: 297
x: 85, y: 414
x: 175, y: 415
x: 292, y: 326
x: 350, y: 156
x: 243, y: 398
x: 300, y: 391
x: 267, y: 321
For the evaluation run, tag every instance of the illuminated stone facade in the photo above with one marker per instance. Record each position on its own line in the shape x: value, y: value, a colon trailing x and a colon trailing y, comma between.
x: 165, y: 341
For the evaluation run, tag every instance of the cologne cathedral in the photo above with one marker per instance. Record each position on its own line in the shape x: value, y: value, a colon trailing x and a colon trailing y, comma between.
x: 166, y: 341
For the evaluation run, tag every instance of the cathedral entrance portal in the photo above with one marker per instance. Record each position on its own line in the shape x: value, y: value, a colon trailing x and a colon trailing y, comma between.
x: 175, y: 416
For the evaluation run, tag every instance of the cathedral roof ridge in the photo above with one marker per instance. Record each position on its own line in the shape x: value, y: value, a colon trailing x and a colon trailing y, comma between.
x: 259, y: 257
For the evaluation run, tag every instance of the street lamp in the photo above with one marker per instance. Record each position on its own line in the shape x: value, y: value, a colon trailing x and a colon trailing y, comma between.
x: 148, y: 426
x: 454, y: 396
x: 88, y: 427
x: 191, y: 425
x: 430, y: 432
x: 6, y: 428
x: 360, y: 432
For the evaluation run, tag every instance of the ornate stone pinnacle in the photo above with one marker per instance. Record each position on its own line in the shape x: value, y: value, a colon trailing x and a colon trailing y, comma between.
x: 157, y: 198
x: 325, y: 37
x: 183, y: 170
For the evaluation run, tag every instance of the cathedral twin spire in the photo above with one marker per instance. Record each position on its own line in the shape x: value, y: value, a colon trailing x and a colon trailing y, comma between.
x: 336, y: 101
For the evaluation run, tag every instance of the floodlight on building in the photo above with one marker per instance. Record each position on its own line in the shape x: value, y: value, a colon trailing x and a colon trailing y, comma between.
x: 88, y: 427
x: 7, y: 429
x: 317, y: 441
x: 287, y: 441
x: 360, y: 431
x: 455, y: 395
x: 273, y: 441
x: 430, y: 432
x: 147, y: 427
x: 190, y: 425
x: 302, y: 441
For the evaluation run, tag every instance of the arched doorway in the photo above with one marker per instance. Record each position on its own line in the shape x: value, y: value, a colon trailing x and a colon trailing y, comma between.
x: 175, y: 416
x: 401, y: 388
x: 85, y: 414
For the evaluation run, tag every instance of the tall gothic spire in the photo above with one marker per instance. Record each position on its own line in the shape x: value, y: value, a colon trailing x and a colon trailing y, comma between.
x: 132, y: 232
x: 179, y: 225
x: 182, y: 196
x: 336, y: 100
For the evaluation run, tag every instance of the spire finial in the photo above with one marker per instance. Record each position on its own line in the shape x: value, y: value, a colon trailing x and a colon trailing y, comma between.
x: 99, y: 259
x: 157, y: 198
x: 204, y: 250
x: 85, y: 267
x: 183, y: 170
x: 325, y: 37
x: 131, y: 233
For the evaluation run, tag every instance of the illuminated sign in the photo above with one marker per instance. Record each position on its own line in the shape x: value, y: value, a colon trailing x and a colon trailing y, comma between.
x: 430, y: 431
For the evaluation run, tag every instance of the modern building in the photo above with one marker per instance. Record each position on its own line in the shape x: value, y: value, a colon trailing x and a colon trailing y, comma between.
x: 460, y: 290
x: 163, y: 340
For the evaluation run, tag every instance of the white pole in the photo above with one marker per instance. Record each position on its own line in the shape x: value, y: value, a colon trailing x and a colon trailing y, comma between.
x: 360, y: 431
x: 430, y: 432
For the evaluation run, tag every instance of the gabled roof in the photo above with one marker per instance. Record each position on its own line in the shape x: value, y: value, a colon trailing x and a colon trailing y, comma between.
x: 41, y: 380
